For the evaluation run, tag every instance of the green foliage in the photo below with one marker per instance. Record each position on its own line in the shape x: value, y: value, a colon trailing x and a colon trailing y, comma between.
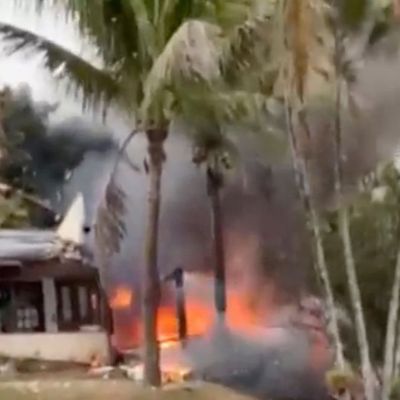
x: 382, y: 24
x: 353, y: 12
x: 13, y: 212
x: 156, y: 52
x: 85, y: 77
x: 375, y: 231
x: 395, y: 390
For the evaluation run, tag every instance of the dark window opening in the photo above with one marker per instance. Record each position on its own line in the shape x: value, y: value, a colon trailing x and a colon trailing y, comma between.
x: 21, y: 307
x: 78, y: 305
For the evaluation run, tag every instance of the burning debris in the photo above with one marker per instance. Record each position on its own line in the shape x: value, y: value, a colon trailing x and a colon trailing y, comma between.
x: 257, y: 351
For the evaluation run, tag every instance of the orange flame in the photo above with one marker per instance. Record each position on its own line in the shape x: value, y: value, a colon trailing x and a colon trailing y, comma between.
x: 199, y: 320
x: 242, y: 316
x: 122, y: 298
x: 200, y: 315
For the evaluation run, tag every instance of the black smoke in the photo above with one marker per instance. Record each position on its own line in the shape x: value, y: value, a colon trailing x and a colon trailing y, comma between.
x: 44, y: 155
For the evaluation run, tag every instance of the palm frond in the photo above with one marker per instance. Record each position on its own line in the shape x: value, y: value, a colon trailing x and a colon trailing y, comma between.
x: 303, y: 48
x: 223, y: 106
x: 230, y: 13
x: 353, y: 12
x: 98, y: 86
x: 190, y: 58
x: 246, y: 47
x: 214, y: 119
x: 110, y: 226
x: 147, y: 37
x: 305, y: 20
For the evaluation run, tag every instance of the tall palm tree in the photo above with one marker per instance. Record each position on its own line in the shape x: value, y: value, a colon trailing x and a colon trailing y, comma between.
x: 309, y: 41
x: 301, y: 51
x: 209, y: 146
x: 154, y: 53
x: 349, y: 18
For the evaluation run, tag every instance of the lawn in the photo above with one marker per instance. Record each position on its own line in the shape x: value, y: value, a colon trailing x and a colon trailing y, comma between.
x: 109, y: 390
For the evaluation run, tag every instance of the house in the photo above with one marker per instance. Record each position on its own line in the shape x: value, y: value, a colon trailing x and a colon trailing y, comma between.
x: 51, y: 303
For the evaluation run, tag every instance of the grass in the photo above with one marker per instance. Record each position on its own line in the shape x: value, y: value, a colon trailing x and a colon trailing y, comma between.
x: 109, y: 390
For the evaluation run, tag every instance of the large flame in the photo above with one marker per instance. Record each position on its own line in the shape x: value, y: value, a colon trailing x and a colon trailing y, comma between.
x: 241, y: 315
x: 251, y: 309
x: 249, y: 299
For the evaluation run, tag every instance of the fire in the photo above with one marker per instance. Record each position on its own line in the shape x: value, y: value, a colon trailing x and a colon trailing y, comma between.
x: 247, y: 314
x: 122, y: 298
x: 241, y: 316
x: 199, y: 320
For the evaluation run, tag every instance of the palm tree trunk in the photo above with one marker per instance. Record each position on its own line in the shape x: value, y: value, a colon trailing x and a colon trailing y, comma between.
x: 322, y: 269
x: 397, y: 353
x: 214, y: 184
x: 355, y: 297
x: 391, y: 332
x: 304, y: 188
x: 151, y: 279
x: 344, y: 231
x: 396, y: 9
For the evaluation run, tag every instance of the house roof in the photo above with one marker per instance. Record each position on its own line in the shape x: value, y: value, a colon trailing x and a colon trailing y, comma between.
x: 19, y: 247
x: 29, y: 245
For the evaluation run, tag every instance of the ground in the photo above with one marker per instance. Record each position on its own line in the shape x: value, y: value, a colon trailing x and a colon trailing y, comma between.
x: 68, y: 389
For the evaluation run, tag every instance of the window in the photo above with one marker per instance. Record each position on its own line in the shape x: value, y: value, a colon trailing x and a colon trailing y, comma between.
x: 94, y: 300
x: 83, y: 302
x: 66, y: 302
x: 27, y: 319
x: 77, y: 304
x: 22, y: 307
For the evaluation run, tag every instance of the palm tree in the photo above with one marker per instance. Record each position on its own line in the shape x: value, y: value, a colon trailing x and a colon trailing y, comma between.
x: 346, y: 21
x: 208, y: 150
x: 301, y: 50
x: 302, y: 45
x: 389, y: 365
x: 154, y: 52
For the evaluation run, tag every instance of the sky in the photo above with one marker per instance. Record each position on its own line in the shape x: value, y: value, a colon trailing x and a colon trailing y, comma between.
x: 27, y: 67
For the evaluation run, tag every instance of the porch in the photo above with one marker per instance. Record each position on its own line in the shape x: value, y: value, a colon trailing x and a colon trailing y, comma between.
x: 54, y: 311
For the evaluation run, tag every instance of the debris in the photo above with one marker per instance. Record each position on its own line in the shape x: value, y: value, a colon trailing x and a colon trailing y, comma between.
x: 135, y: 372
x: 100, y: 371
x: 96, y: 361
x: 8, y: 369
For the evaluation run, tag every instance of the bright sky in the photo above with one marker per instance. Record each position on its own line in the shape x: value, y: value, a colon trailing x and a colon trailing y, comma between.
x: 26, y: 68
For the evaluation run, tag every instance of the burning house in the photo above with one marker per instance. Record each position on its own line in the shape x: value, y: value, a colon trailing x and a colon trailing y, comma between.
x: 272, y: 332
x: 51, y: 303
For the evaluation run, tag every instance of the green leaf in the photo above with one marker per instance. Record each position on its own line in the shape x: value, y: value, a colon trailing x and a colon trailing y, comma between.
x: 353, y: 12
x: 98, y: 86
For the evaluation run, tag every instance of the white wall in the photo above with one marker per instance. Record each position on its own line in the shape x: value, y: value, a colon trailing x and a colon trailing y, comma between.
x: 77, y: 347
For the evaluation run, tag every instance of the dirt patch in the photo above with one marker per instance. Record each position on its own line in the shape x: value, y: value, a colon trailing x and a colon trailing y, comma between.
x: 110, y: 390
